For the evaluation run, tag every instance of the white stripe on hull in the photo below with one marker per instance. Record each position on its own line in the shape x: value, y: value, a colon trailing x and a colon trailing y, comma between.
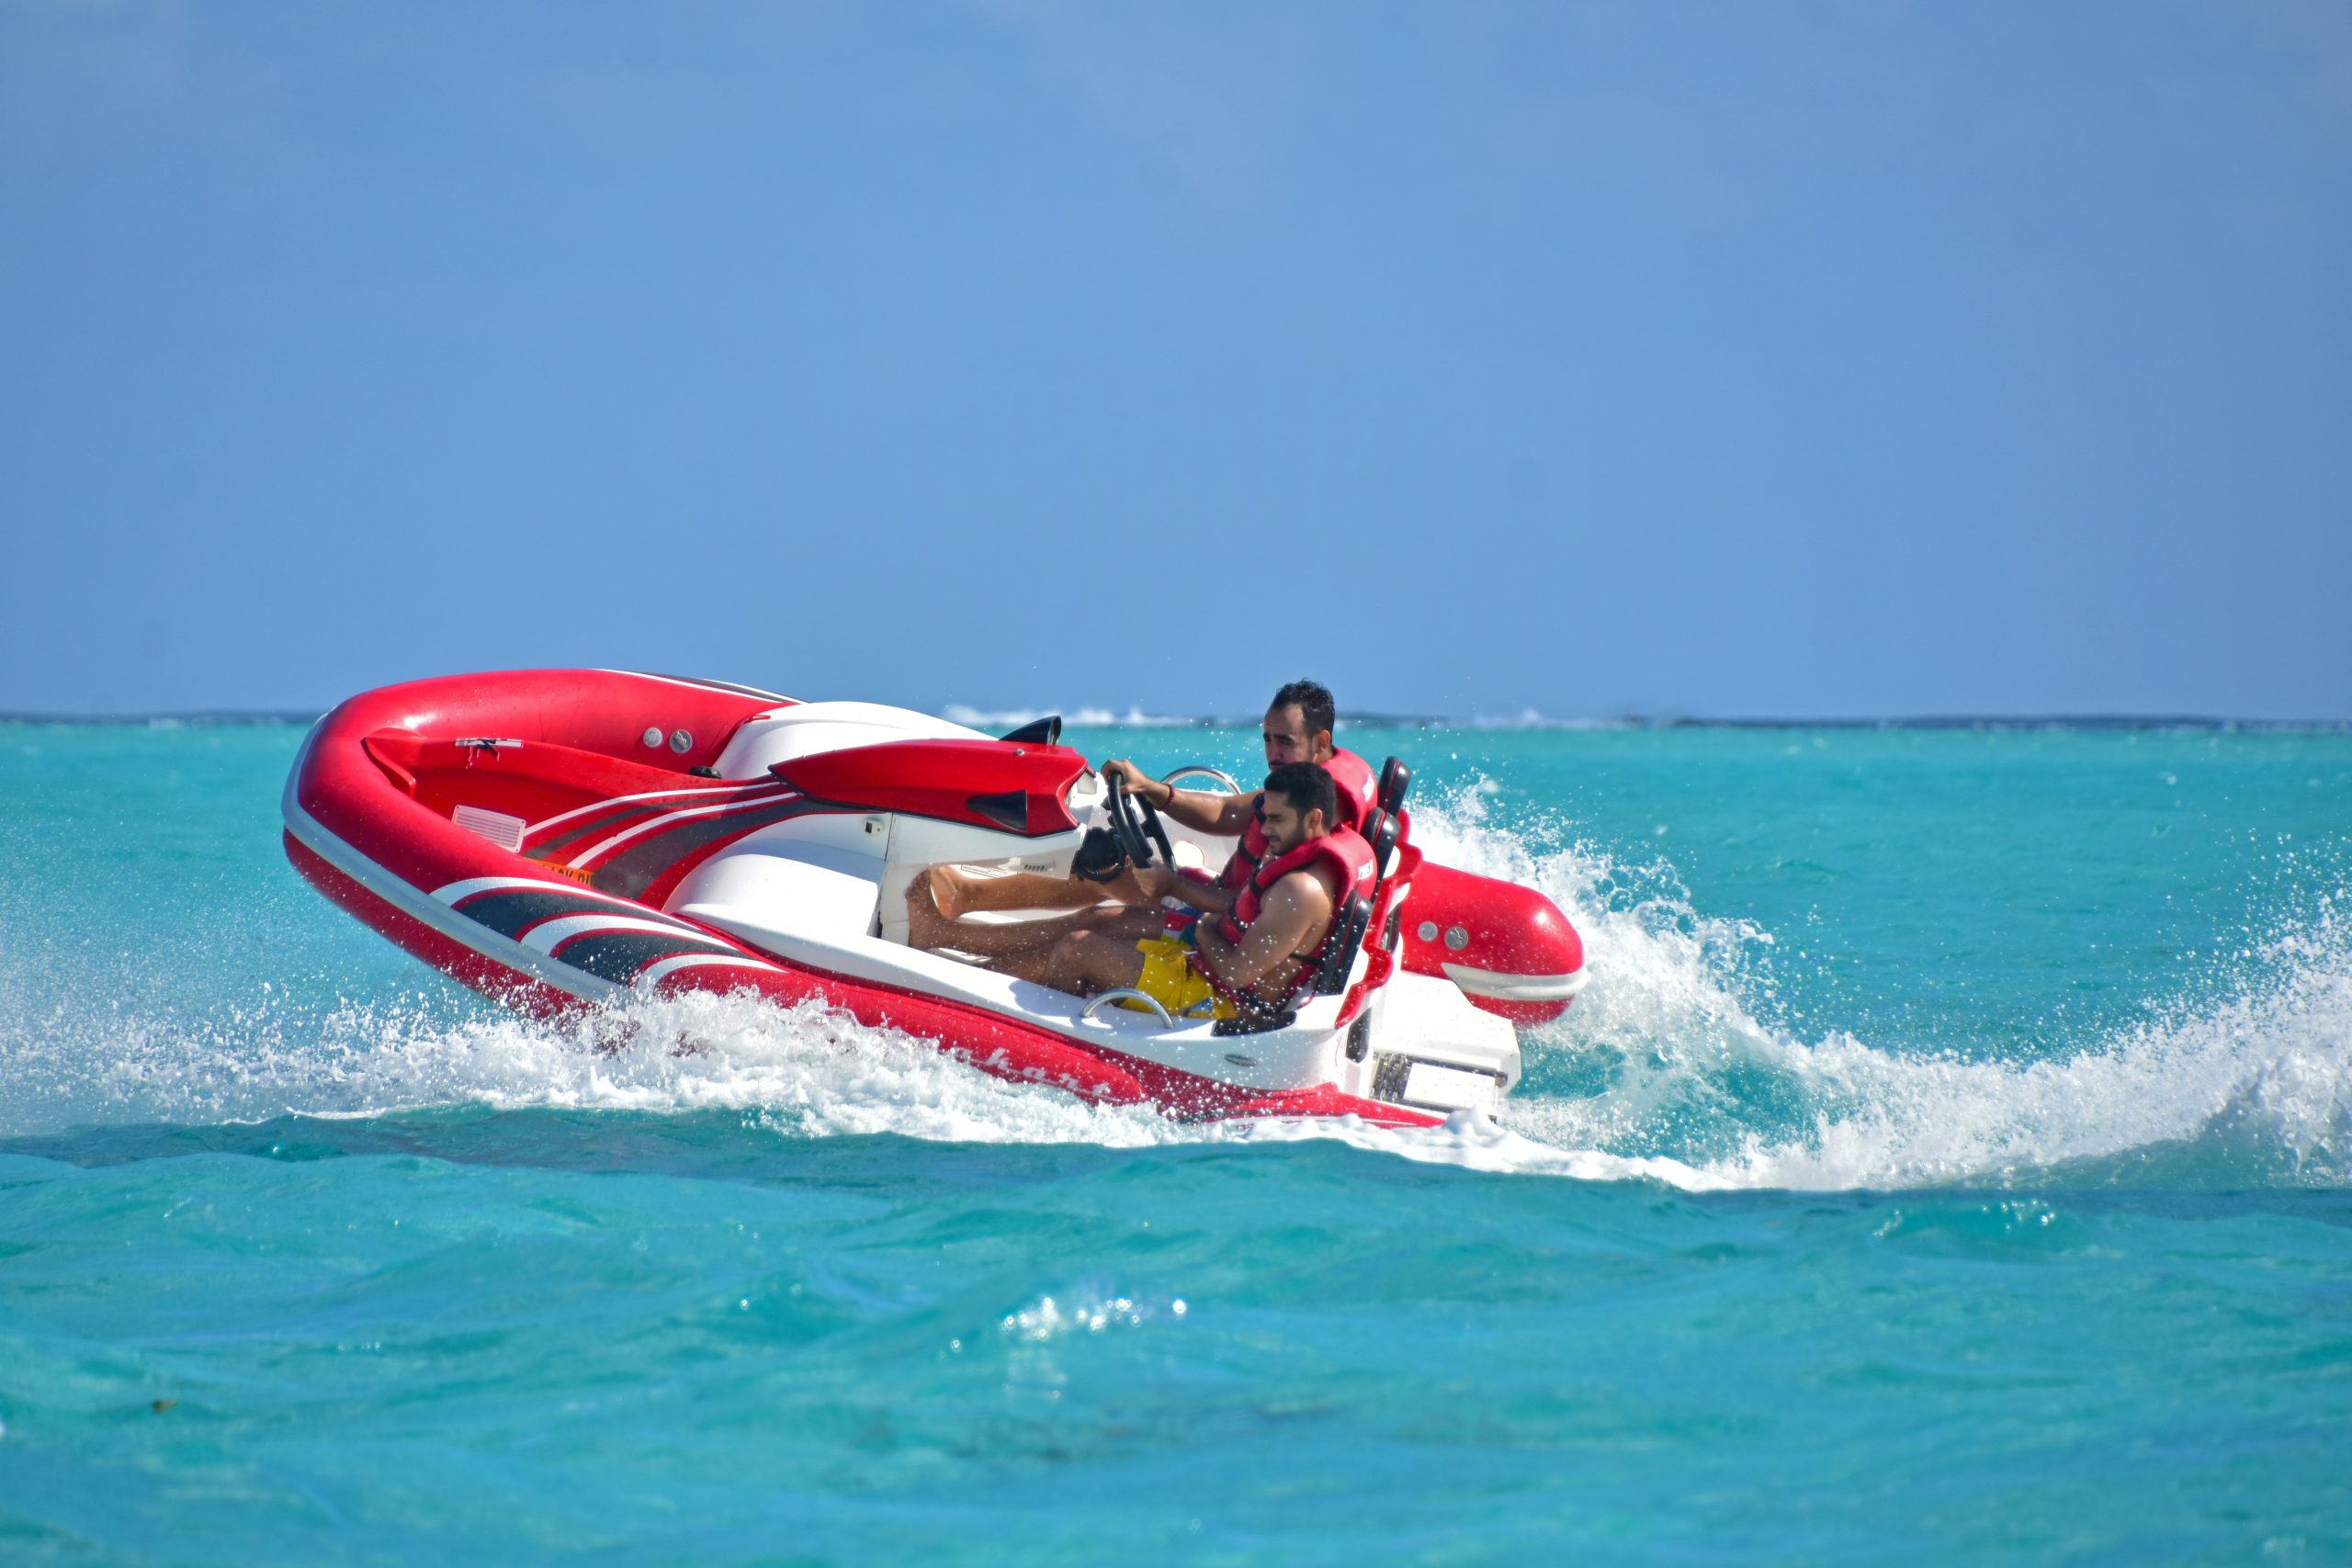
x: 548, y: 935
x: 458, y: 891
x: 655, y: 973
x: 1503, y: 986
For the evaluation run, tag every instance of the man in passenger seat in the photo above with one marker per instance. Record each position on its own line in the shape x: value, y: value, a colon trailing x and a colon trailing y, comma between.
x: 1259, y: 946
x: 1298, y: 730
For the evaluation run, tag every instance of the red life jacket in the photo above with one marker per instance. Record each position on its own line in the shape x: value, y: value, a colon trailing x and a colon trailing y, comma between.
x: 1358, y: 791
x: 1346, y: 856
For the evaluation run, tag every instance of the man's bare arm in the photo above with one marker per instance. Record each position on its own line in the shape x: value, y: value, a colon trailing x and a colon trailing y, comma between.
x: 1200, y: 811
x: 1297, y: 910
x: 1158, y: 882
x: 1208, y: 897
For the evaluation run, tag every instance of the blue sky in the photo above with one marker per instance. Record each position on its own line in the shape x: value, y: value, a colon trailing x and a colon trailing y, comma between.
x: 1714, y: 359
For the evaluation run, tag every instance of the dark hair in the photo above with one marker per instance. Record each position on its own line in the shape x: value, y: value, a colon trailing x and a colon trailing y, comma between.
x: 1313, y: 701
x: 1308, y: 788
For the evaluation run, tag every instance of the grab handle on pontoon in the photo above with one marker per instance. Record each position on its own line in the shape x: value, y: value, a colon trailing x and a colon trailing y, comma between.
x: 1127, y: 994
x: 1232, y: 786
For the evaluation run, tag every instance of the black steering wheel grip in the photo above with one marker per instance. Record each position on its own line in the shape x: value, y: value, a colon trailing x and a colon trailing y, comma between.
x: 1136, y: 822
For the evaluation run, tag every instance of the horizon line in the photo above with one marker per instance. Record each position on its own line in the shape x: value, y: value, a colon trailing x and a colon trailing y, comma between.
x: 1526, y: 721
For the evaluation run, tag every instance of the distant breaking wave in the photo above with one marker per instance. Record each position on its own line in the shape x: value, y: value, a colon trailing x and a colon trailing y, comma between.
x: 1084, y: 718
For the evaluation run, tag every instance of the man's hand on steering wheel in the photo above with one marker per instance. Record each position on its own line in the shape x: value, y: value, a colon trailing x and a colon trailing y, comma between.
x: 1136, y: 821
x: 1140, y: 784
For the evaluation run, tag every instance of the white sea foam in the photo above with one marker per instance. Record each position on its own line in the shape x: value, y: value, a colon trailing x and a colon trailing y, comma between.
x: 802, y: 1072
x: 1529, y: 718
x: 805, y: 1070
x: 1677, y: 1011
x: 2264, y: 1077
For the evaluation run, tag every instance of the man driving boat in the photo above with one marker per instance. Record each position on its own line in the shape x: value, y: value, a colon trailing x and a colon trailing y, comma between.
x: 1297, y: 728
x: 1259, y: 946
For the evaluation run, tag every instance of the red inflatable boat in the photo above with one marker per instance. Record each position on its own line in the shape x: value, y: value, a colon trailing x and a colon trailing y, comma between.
x: 565, y: 838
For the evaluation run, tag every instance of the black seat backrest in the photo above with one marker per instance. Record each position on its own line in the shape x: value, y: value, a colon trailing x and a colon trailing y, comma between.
x: 1380, y: 832
x: 1339, y: 955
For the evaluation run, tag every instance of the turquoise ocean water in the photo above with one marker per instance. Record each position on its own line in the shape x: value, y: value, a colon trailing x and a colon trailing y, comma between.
x: 1950, y: 1158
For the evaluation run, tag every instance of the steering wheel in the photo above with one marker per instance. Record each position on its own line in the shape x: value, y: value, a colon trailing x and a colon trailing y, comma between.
x: 1131, y: 825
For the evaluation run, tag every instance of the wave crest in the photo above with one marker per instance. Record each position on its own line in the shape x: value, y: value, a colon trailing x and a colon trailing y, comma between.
x: 1665, y: 1054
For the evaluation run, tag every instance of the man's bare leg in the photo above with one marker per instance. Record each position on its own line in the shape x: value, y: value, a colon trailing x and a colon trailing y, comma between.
x: 1084, y: 962
x: 958, y: 893
x: 928, y: 927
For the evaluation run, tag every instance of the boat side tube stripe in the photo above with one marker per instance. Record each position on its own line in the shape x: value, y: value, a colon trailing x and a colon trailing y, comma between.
x: 515, y: 911
x: 635, y: 869
x: 617, y: 956
x: 654, y: 800
x: 459, y: 891
x: 637, y: 814
x: 555, y: 845
x: 432, y: 909
x: 661, y: 969
x: 684, y: 813
x: 550, y: 935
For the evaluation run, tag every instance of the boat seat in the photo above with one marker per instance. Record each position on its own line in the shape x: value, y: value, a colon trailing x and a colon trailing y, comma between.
x: 1385, y: 829
x: 1380, y: 831
x: 1395, y: 778
x: 1355, y: 916
x: 801, y: 886
x: 1388, y: 828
